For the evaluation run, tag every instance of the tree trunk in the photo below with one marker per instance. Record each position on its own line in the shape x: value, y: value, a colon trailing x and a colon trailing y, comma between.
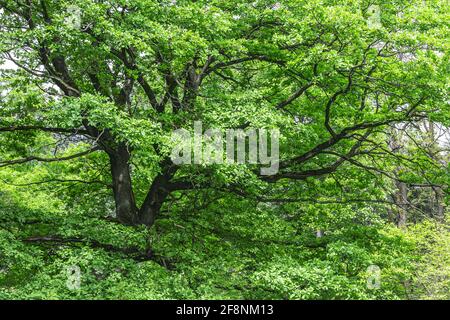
x: 401, y: 194
x: 126, y: 209
x: 402, y: 202
x: 437, y: 194
x: 158, y: 193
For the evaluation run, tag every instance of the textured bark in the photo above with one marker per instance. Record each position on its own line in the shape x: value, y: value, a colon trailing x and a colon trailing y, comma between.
x: 153, y: 202
x: 402, y: 201
x: 158, y: 193
x: 127, y: 212
x: 126, y: 209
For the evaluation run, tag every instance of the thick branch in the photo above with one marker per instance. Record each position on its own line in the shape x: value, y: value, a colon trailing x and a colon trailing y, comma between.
x: 46, y: 129
x: 40, y: 159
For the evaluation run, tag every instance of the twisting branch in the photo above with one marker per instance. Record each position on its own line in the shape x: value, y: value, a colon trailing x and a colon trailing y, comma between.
x: 294, y: 96
x: 302, y: 175
x: 40, y: 159
x: 57, y: 181
x: 123, y: 55
x: 252, y: 57
x: 343, y: 134
x: 46, y: 129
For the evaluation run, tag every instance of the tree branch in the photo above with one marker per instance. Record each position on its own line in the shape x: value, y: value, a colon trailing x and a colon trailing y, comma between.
x: 40, y: 159
x: 46, y: 129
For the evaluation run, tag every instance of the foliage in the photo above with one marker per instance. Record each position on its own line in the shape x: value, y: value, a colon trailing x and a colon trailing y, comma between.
x: 87, y: 111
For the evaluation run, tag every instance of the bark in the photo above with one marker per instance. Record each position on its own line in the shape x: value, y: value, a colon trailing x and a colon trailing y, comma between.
x: 401, y: 193
x: 126, y: 209
x: 437, y: 193
x: 127, y: 212
x: 158, y: 193
x: 402, y: 201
